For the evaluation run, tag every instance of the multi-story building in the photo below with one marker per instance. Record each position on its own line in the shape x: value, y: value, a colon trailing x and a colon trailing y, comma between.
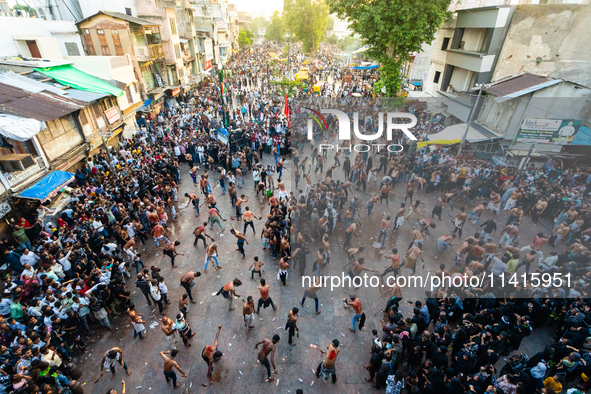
x: 244, y: 19
x: 110, y: 33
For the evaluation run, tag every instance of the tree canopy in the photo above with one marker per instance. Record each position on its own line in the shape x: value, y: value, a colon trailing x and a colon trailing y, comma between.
x: 276, y: 28
x: 307, y: 19
x: 245, y: 38
x: 257, y: 23
x: 393, y: 29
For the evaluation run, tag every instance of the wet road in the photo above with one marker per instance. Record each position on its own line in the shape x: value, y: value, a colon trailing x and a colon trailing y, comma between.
x: 239, y: 365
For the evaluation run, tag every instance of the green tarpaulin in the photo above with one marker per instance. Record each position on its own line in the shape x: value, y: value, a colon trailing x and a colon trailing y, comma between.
x: 71, y: 76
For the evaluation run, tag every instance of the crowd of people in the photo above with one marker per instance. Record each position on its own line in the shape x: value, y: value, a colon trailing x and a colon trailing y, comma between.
x: 66, y: 279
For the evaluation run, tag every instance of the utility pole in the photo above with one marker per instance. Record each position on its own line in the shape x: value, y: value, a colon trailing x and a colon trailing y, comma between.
x: 470, y: 119
x: 532, y: 149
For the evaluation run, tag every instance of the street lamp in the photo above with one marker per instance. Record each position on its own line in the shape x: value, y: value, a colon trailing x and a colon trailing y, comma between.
x: 105, y: 137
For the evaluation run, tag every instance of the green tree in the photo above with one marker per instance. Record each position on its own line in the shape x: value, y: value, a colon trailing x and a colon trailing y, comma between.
x: 30, y: 10
x: 288, y: 86
x: 243, y: 39
x: 307, y: 19
x: 393, y: 29
x: 330, y: 23
x: 276, y: 28
x: 257, y: 23
x: 347, y: 44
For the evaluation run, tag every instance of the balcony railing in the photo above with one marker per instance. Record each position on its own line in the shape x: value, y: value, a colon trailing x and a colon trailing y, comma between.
x: 150, y: 52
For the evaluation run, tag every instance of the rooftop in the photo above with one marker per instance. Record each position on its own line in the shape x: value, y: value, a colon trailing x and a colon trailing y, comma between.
x: 125, y: 17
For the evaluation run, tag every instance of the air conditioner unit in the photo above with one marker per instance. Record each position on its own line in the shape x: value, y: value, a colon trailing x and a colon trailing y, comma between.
x: 17, y: 162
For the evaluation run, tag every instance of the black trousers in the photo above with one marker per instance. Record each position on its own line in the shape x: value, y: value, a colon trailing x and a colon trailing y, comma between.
x: 187, y: 287
x: 291, y: 328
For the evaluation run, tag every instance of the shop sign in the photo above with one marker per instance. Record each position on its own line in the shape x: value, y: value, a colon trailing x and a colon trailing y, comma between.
x: 112, y: 115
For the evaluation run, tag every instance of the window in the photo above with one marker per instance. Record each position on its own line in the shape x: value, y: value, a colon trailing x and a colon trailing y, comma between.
x: 437, y: 75
x: 172, y: 26
x: 19, y: 148
x: 128, y: 11
x: 135, y: 87
x: 445, y: 43
x: 117, y: 42
x: 72, y: 49
x: 177, y: 51
x: 128, y: 94
x: 88, y: 42
x: 103, y: 42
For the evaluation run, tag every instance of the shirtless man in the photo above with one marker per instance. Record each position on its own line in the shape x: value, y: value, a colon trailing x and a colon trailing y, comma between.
x: 539, y: 209
x: 327, y: 367
x: 169, y: 364
x: 385, y: 192
x: 268, y: 348
x: 495, y: 203
x: 444, y: 242
x: 247, y: 216
x: 425, y: 225
x: 356, y: 271
x: 359, y: 314
x: 265, y: 300
x: 399, y: 219
x: 395, y: 266
x: 417, y: 239
x: 292, y: 325
x: 241, y: 240
x: 169, y: 331
x: 211, y: 256
x: 211, y: 354
x: 136, y: 321
x: 514, y: 198
x: 248, y: 314
x: 257, y: 267
x: 438, y: 208
x: 282, y: 273
x: 311, y: 293
x: 515, y: 215
x: 572, y: 213
x: 159, y: 234
x: 509, y: 234
x: 350, y: 232
x: 410, y: 189
x: 200, y: 233
x: 229, y: 292
x: 193, y: 199
x: 459, y: 221
x: 214, y: 217
x: 476, y: 213
x: 186, y: 281
x: 238, y: 206
x: 465, y: 247
x: 410, y: 260
x: 351, y: 252
x: 490, y: 248
x: 561, y: 231
x: 453, y: 181
x: 193, y: 174
x: 536, y: 246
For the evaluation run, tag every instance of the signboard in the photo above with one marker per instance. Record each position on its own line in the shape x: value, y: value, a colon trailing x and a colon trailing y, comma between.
x: 176, y: 92
x: 208, y: 54
x: 4, y: 209
x: 112, y: 115
x: 546, y: 131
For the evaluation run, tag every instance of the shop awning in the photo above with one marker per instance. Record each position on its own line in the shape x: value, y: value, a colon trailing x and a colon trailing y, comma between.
x: 416, y: 83
x: 48, y: 186
x: 362, y: 49
x: 71, y: 76
x: 455, y: 132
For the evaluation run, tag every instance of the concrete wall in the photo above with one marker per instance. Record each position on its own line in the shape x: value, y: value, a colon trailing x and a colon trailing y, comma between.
x: 483, y: 17
x: 548, y: 40
x: 438, y: 57
x: 460, y: 79
x: 12, y: 29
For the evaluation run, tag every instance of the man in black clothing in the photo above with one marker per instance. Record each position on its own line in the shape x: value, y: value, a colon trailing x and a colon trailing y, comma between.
x: 144, y: 287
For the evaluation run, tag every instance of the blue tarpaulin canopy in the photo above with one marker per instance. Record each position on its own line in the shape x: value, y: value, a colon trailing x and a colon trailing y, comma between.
x: 375, y: 65
x: 48, y: 186
x: 416, y: 83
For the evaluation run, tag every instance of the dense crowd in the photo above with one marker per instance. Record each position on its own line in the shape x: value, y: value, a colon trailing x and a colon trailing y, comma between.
x: 65, y: 278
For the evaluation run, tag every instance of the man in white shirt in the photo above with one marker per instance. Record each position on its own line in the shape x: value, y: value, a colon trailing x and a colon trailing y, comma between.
x: 29, y: 257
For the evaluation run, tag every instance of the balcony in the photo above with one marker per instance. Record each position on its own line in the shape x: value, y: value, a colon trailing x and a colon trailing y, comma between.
x: 474, y: 61
x: 150, y: 52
